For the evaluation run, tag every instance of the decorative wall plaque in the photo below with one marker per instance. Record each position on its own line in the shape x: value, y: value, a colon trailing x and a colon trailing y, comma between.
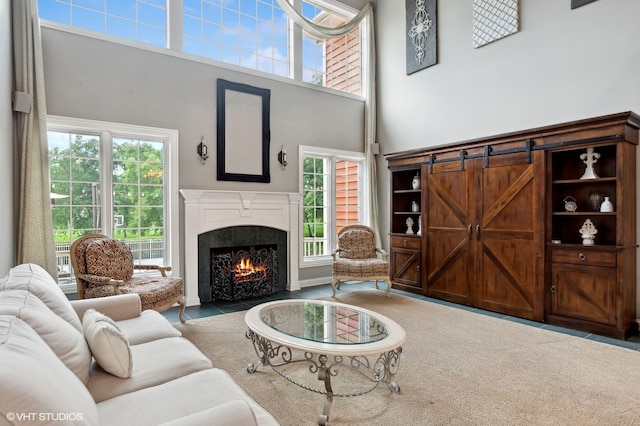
x: 577, y: 3
x: 493, y: 20
x: 421, y: 34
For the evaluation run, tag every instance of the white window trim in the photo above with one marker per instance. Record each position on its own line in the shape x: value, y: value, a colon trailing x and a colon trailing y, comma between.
x: 172, y: 235
x: 305, y: 150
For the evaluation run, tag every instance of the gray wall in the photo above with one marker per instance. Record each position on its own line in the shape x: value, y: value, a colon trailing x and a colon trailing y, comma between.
x: 100, y: 80
x: 562, y: 65
x: 7, y: 249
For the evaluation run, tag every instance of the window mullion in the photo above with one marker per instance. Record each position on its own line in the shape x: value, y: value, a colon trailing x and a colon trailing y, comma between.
x: 106, y: 170
x: 295, y: 32
x: 174, y: 25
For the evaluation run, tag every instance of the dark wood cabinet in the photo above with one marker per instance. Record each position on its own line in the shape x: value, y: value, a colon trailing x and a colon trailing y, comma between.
x: 495, y: 233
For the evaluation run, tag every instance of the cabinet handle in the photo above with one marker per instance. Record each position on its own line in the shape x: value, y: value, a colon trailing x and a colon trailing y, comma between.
x: 418, y: 268
x: 405, y: 242
x: 554, y: 288
x: 582, y: 257
x: 477, y: 232
x: 469, y: 232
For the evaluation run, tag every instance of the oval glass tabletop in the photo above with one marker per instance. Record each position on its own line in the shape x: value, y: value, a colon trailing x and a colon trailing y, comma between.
x: 324, y: 323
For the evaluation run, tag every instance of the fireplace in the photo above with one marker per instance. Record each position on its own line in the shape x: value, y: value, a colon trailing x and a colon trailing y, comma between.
x: 216, y: 218
x: 220, y: 255
x: 243, y: 272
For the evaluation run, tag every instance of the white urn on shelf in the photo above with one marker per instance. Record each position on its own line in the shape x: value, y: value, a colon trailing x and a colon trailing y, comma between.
x: 588, y: 232
x: 415, y: 183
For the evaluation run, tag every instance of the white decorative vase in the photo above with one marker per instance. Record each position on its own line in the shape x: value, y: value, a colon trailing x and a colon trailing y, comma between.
x: 606, y: 206
x: 415, y: 184
x: 415, y: 207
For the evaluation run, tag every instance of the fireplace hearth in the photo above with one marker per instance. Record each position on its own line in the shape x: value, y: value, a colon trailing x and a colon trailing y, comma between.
x: 243, y: 272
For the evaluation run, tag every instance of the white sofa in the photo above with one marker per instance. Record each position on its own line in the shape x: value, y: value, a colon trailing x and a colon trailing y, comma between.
x: 49, y: 374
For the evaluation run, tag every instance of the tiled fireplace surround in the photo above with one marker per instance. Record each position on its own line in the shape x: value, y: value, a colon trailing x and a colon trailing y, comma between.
x: 212, y: 210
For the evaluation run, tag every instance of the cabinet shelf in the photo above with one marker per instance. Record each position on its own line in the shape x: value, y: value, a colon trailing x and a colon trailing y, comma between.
x: 584, y: 213
x: 583, y: 181
x: 408, y: 213
x: 406, y: 191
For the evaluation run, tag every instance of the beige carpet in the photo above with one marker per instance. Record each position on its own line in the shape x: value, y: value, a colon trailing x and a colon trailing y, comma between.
x: 457, y: 368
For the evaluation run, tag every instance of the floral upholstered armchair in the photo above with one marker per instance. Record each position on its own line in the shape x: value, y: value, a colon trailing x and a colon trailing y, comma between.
x: 357, y: 258
x: 104, y: 266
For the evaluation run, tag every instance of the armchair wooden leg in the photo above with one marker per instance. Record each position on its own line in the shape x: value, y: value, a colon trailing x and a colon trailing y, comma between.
x: 183, y: 305
x: 333, y: 286
x: 388, y: 287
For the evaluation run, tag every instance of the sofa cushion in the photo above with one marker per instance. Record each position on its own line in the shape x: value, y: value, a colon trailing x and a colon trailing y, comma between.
x: 199, y: 391
x: 232, y: 413
x: 150, y: 325
x: 155, y: 363
x: 65, y: 341
x: 34, y: 380
x: 108, y: 344
x: 109, y: 258
x: 34, y: 279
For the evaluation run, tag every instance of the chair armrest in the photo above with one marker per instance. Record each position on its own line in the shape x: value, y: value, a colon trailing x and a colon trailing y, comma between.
x: 385, y: 255
x: 335, y: 254
x: 119, y: 307
x: 99, y: 280
x: 162, y: 269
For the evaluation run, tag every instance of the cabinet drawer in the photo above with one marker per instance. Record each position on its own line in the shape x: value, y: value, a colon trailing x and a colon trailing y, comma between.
x: 584, y: 257
x: 406, y: 242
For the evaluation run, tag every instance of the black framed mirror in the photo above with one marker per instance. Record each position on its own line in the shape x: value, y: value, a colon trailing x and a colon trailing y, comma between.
x: 244, y: 133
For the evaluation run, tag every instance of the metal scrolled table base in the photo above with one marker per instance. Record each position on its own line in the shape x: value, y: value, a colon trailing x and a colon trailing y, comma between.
x: 381, y: 371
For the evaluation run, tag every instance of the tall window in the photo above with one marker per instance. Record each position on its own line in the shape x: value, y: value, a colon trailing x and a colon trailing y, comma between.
x: 112, y: 179
x: 332, y: 189
x: 331, y: 63
x: 254, y: 34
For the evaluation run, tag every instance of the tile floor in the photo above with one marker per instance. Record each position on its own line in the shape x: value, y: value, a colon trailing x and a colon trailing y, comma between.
x: 225, y: 307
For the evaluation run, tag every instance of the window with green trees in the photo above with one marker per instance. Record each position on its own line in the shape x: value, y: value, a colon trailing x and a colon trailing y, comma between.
x: 332, y: 192
x: 110, y: 183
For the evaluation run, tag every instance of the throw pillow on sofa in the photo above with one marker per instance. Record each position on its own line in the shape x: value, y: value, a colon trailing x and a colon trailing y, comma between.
x: 65, y: 341
x: 108, y: 344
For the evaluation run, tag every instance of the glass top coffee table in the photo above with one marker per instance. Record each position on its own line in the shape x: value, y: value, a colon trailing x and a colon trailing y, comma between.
x: 327, y: 336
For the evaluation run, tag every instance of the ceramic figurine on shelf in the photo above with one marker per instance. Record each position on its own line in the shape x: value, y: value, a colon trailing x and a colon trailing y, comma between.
x: 409, y: 225
x: 589, y: 158
x: 419, y: 225
x: 588, y: 232
x: 415, y: 207
x: 606, y: 206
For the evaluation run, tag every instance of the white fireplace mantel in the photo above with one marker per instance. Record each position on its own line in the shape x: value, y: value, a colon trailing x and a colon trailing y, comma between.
x: 209, y: 210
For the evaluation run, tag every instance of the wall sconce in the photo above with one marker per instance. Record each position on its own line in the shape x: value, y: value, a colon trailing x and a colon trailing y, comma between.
x: 282, y: 157
x: 202, y: 150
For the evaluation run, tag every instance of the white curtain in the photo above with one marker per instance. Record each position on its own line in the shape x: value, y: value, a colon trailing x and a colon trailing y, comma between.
x: 31, y: 166
x: 369, y: 88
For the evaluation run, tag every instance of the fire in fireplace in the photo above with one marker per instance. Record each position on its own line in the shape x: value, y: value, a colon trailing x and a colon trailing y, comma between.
x: 242, y: 272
